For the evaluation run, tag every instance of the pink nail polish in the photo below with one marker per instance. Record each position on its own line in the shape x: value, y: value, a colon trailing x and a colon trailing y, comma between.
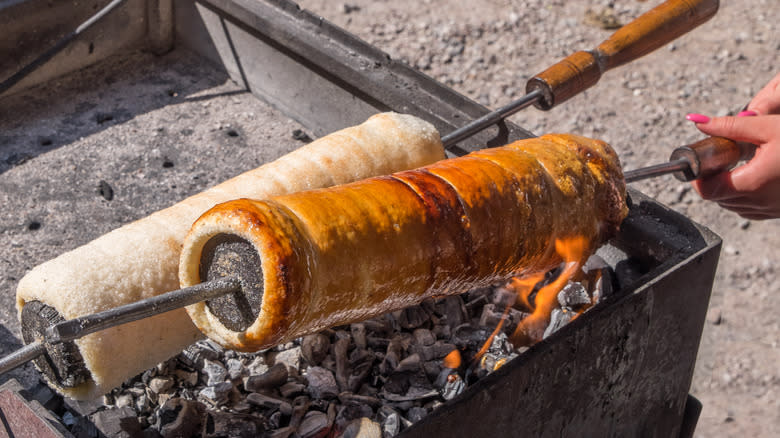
x: 697, y: 118
x: 747, y: 114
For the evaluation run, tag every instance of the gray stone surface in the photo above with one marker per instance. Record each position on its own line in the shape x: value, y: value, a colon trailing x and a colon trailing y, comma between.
x: 154, y: 129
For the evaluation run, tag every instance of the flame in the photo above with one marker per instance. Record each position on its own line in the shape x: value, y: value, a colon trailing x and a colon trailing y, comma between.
x: 452, y: 360
x: 574, y: 251
x: 489, y: 340
x: 524, y: 286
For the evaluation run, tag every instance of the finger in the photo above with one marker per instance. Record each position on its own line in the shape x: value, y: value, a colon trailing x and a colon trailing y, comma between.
x: 767, y: 101
x: 756, y: 216
x: 717, y: 187
x: 756, y: 130
x: 740, y: 202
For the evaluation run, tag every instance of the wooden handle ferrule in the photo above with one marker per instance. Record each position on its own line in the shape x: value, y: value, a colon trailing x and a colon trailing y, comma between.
x: 709, y: 156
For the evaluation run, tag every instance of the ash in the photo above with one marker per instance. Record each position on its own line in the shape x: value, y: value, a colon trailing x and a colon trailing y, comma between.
x: 373, y: 378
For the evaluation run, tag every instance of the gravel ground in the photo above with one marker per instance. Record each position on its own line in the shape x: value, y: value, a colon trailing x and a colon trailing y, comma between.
x: 487, y: 49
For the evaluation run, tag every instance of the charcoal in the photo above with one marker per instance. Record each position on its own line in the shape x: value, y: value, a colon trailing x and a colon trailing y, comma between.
x: 120, y: 423
x: 291, y: 358
x: 438, y: 350
x: 322, y: 383
x: 215, y: 372
x: 358, y: 332
x: 476, y: 302
x: 164, y: 397
x: 292, y: 389
x: 395, y: 351
x: 415, y: 414
x: 442, y: 331
x: 423, y: 337
x: 432, y: 368
x: 351, y: 418
x: 491, y: 362
x: 180, y: 418
x: 454, y: 386
x: 194, y: 355
x: 219, y: 424
x: 46, y: 397
x: 342, y: 363
x: 391, y: 421
x: 161, y: 384
x: 360, y: 371
x: 558, y: 318
x: 348, y: 397
x: 257, y: 366
x: 124, y: 400
x: 468, y: 337
x: 500, y: 345
x: 410, y: 363
x: 401, y: 387
x: 503, y: 297
x: 216, y: 395
x: 143, y: 404
x: 68, y: 419
x: 241, y: 407
x: 314, y: 425
x: 379, y: 326
x: 491, y: 316
x: 235, y: 369
x: 412, y: 317
x: 147, y: 375
x: 315, y: 348
x: 187, y: 378
x: 362, y: 428
x: 377, y: 343
x: 453, y: 310
x: 274, y: 377
x: 300, y: 407
x: 574, y: 295
x: 269, y: 402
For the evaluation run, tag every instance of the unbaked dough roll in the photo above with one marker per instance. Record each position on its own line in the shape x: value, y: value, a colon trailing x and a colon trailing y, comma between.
x: 332, y: 256
x: 140, y: 259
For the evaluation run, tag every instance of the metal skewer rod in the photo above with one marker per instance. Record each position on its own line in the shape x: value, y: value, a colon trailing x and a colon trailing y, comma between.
x: 82, y: 326
x: 21, y: 356
x: 490, y: 118
x: 657, y: 170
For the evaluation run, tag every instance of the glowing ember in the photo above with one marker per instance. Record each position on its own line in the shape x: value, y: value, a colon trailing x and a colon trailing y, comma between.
x: 530, y: 330
x: 452, y: 360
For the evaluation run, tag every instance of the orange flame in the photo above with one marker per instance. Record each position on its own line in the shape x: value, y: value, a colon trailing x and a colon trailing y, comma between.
x: 452, y: 360
x: 530, y: 330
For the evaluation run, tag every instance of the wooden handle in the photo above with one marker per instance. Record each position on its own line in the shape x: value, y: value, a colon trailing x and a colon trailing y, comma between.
x: 711, y: 156
x: 650, y: 31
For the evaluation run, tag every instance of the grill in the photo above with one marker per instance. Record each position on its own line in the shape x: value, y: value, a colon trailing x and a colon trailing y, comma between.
x: 622, y: 369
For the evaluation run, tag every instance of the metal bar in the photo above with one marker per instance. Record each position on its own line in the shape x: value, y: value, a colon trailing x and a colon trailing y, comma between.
x: 21, y: 356
x: 656, y: 170
x: 82, y: 326
x: 57, y: 47
x: 490, y: 118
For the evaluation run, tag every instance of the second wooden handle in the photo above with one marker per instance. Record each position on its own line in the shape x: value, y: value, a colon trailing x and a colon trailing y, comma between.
x: 648, y: 32
x: 710, y: 156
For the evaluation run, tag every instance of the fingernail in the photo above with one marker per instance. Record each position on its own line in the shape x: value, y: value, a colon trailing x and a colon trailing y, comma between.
x: 747, y: 114
x: 697, y: 118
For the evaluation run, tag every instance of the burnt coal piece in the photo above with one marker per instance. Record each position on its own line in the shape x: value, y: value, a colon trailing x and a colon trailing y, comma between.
x: 378, y: 376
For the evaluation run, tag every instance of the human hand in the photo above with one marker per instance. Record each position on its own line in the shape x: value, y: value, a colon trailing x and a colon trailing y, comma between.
x: 767, y: 101
x: 753, y: 189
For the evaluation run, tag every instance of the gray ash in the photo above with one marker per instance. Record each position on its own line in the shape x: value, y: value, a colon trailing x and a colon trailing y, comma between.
x: 382, y: 374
